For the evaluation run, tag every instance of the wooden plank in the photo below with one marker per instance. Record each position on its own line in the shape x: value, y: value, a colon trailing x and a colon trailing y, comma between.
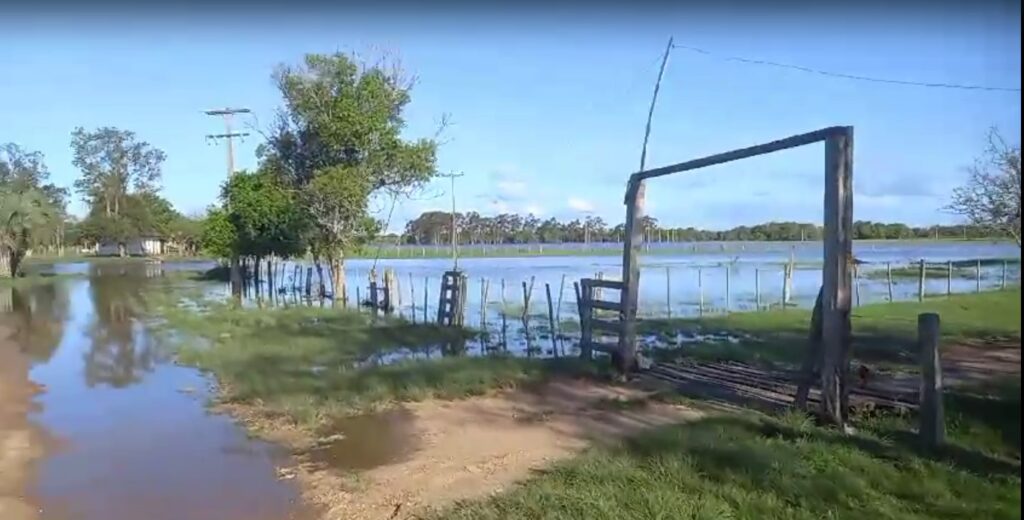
x: 836, y: 279
x: 605, y: 284
x: 743, y: 153
x: 603, y: 305
x: 606, y: 326
x: 597, y: 346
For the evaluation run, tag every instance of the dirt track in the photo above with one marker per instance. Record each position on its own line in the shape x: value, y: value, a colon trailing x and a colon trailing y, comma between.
x: 20, y: 443
x: 470, y: 448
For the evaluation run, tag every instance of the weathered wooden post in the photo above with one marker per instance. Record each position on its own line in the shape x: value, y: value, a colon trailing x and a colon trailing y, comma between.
x: 668, y: 292
x: 949, y: 278
x: 551, y: 320
x: 700, y: 292
x: 836, y: 274
x: 920, y: 280
x: 412, y: 298
x: 504, y: 317
x: 635, y: 193
x: 757, y: 289
x: 583, y: 297
x: 977, y: 277
x: 309, y: 282
x: 856, y: 285
x: 728, y: 269
x: 426, y: 295
x: 933, y: 426
x: 1002, y: 280
x: 888, y: 278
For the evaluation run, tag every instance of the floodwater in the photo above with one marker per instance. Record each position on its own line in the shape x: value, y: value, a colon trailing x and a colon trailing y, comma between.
x: 367, y: 441
x: 134, y: 440
x: 715, y: 278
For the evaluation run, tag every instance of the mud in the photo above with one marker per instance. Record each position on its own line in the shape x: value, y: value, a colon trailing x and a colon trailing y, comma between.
x: 462, y: 449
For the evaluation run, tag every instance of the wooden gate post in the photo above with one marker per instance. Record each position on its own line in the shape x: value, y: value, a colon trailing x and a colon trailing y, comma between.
x: 630, y: 273
x: 933, y: 427
x: 836, y: 275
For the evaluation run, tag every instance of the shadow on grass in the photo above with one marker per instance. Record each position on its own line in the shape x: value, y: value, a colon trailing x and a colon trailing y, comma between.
x: 742, y: 466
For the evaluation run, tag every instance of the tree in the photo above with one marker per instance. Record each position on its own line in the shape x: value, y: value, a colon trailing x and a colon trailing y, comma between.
x: 30, y: 208
x: 991, y: 196
x: 338, y: 142
x: 120, y: 175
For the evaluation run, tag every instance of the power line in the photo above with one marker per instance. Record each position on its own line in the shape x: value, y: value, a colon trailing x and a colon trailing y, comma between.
x: 848, y: 76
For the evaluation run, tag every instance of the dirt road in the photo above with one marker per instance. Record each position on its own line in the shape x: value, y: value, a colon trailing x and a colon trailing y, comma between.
x: 20, y: 443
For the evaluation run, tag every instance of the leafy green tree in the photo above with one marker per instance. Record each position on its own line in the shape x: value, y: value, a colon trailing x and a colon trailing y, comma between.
x: 120, y: 175
x: 338, y: 142
x: 218, y: 236
x: 30, y: 208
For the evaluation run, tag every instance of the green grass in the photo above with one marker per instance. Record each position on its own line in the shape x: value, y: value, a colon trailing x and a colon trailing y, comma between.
x: 313, y: 364
x: 74, y: 258
x: 883, y: 333
x: 33, y: 279
x: 748, y: 466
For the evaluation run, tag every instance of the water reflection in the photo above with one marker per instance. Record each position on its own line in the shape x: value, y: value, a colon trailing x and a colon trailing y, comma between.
x: 120, y: 352
x: 37, y: 315
x: 133, y: 443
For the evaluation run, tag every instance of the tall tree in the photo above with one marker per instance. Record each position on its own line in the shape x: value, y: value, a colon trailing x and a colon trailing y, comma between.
x: 30, y: 208
x: 119, y: 172
x: 114, y: 164
x: 991, y: 196
x: 338, y: 141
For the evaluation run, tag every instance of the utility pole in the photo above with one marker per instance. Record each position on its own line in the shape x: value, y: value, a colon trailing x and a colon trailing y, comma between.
x: 227, y: 114
x: 455, y: 233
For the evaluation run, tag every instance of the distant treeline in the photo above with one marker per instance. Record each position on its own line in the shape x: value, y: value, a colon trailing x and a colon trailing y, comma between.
x: 434, y: 227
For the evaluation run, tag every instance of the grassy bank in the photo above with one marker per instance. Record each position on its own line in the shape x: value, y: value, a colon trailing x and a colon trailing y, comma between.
x: 33, y: 279
x: 311, y: 365
x: 883, y: 333
x: 749, y: 466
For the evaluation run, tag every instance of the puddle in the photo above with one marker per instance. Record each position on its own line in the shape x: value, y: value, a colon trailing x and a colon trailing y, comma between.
x: 133, y: 443
x: 367, y: 441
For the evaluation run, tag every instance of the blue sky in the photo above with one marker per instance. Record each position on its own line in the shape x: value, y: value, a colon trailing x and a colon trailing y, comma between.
x: 548, y: 112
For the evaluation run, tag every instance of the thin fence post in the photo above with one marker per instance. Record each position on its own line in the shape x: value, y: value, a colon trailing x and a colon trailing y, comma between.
x: 727, y: 275
x: 785, y: 286
x: 558, y: 314
x: 551, y: 320
x: 933, y: 427
x: 920, y: 281
x: 856, y: 285
x: 977, y: 277
x: 412, y: 298
x: 757, y: 289
x: 949, y: 278
x: 668, y: 291
x: 504, y: 318
x: 888, y: 278
x: 700, y: 292
x: 426, y: 291
x: 1002, y: 281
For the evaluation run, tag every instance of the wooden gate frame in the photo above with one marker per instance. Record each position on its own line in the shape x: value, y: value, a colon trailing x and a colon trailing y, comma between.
x: 838, y: 257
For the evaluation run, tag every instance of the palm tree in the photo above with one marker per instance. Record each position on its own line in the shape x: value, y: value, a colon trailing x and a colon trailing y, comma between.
x: 22, y: 213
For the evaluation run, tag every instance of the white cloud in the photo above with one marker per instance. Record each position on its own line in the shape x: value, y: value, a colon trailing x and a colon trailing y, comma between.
x: 579, y: 204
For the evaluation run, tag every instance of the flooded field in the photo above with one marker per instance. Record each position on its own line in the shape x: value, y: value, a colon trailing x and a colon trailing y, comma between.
x: 132, y: 437
x: 714, y: 278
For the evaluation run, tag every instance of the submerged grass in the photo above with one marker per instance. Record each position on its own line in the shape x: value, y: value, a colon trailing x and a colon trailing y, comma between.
x: 884, y: 333
x: 312, y: 365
